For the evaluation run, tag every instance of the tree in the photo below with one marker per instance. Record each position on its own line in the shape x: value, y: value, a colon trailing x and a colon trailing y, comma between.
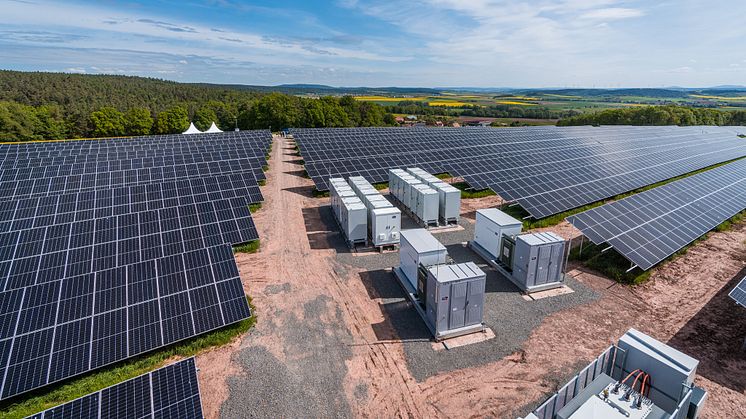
x: 172, y: 121
x: 138, y: 121
x: 275, y: 110
x: 107, y: 122
x: 204, y: 117
x: 17, y: 122
x: 51, y: 125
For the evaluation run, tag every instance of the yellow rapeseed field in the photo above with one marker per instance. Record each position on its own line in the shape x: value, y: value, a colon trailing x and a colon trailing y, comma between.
x: 513, y: 102
x: 738, y: 98
x: 448, y: 103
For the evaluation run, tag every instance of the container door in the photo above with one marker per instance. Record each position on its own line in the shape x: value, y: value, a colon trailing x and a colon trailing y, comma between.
x: 474, y: 302
x: 545, y: 258
x: 458, y: 305
x: 533, y: 261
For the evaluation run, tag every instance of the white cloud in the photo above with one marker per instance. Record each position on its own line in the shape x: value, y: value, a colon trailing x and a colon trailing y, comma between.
x: 612, y: 13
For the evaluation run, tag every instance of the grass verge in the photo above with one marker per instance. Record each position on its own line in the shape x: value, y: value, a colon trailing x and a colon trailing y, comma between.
x: 249, y: 247
x: 66, y: 391
x: 467, y: 193
x: 381, y: 185
x: 255, y: 207
x: 320, y: 194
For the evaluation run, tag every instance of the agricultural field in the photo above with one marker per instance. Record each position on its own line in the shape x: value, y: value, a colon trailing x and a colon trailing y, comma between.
x: 578, y: 100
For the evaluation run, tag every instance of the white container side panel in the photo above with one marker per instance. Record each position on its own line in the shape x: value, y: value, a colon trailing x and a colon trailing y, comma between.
x: 410, y: 257
x: 427, y: 205
x: 385, y: 226
x: 355, y: 222
x: 450, y: 203
x: 488, y: 231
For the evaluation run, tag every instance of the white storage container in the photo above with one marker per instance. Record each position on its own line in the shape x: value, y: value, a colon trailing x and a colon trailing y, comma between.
x: 342, y: 194
x: 491, y: 225
x: 408, y: 192
x: 426, y: 203
x: 418, y: 246
x: 385, y: 225
x: 394, y: 180
x: 355, y: 220
x: 450, y: 201
x: 369, y: 200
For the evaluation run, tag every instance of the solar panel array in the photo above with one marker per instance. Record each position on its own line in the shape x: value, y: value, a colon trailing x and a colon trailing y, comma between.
x: 168, y: 392
x: 97, y: 266
x: 739, y: 293
x: 650, y: 226
x: 546, y: 170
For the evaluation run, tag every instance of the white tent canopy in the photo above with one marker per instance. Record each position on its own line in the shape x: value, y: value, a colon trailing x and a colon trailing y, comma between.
x: 192, y: 129
x: 213, y: 128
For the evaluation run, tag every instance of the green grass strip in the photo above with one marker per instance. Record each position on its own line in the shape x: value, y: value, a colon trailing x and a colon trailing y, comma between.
x: 250, y: 247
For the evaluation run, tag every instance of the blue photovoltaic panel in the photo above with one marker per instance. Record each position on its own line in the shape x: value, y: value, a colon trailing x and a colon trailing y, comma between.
x: 739, y: 293
x: 168, y: 392
x: 55, y: 330
x: 652, y: 225
x: 546, y: 170
x: 111, y: 248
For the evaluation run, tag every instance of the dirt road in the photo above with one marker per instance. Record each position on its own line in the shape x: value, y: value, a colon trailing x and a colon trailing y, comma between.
x: 323, y: 347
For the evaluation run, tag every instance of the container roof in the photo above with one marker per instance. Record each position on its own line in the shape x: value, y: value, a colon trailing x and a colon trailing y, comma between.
x: 456, y: 272
x: 498, y: 216
x: 421, y: 240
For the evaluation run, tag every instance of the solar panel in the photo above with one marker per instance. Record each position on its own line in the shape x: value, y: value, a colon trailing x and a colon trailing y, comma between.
x: 57, y: 329
x: 739, y: 293
x: 112, y: 248
x: 546, y: 170
x: 168, y: 392
x: 650, y: 226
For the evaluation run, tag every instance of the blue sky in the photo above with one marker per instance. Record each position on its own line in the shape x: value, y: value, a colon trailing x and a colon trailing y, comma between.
x: 427, y: 43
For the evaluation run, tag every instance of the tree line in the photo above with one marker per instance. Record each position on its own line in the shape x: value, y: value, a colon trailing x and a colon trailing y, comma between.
x: 36, y: 106
x: 658, y: 115
x: 410, y: 107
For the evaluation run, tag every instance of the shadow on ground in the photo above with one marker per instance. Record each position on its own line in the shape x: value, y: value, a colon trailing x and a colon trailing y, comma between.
x: 322, y: 231
x: 715, y: 336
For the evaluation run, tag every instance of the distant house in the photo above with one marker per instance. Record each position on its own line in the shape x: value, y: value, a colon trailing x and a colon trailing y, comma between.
x: 456, y: 125
x: 399, y: 120
x: 476, y: 123
x: 412, y: 117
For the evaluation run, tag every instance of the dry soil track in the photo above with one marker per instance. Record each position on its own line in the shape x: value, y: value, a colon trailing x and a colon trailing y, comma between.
x: 323, y: 348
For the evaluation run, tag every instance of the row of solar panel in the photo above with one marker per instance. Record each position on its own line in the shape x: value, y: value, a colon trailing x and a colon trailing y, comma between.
x: 547, y: 175
x: 99, y: 267
x: 650, y: 226
x: 168, y: 392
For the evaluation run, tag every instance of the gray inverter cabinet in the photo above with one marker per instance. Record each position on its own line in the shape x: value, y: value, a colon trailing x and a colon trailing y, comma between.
x: 538, y: 259
x: 455, y: 296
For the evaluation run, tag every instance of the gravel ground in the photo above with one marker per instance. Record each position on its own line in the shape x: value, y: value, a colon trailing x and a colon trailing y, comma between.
x: 270, y: 385
x: 505, y: 311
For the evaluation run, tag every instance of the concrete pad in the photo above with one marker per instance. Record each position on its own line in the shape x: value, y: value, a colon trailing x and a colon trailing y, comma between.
x: 460, y: 341
x: 548, y: 293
